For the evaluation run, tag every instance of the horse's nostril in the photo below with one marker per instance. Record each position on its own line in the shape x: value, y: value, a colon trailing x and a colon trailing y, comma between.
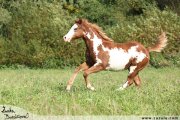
x: 64, y: 37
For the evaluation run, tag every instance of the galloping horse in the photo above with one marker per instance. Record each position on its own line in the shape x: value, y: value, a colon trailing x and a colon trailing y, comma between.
x: 102, y: 53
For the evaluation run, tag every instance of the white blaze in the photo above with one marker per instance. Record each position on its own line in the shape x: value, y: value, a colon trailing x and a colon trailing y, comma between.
x: 70, y: 34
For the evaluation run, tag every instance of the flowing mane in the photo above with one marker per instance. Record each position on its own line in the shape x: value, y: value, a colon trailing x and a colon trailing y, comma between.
x: 97, y: 29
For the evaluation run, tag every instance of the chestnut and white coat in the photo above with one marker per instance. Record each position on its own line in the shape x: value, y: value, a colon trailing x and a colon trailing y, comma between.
x: 103, y: 53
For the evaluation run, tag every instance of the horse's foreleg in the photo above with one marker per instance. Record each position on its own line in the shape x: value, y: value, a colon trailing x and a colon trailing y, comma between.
x: 83, y: 66
x: 92, y: 69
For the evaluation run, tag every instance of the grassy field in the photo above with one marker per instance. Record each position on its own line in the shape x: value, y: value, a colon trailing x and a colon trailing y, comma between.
x: 43, y: 92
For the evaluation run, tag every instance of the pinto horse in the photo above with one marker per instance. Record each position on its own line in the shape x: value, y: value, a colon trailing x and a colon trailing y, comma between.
x: 102, y: 53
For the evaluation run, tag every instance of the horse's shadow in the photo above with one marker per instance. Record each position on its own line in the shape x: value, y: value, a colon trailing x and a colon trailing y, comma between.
x: 61, y: 87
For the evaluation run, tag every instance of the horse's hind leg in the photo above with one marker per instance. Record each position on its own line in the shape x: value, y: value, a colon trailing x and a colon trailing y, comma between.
x: 83, y: 66
x: 133, y: 72
x: 137, y: 80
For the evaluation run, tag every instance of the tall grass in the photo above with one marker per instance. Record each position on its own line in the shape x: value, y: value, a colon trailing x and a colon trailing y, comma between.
x: 43, y: 92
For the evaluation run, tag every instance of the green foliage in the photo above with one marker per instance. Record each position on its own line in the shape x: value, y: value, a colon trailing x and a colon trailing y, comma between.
x: 97, y: 12
x: 35, y: 35
x: 147, y: 27
x: 158, y: 60
x: 5, y: 16
x: 31, y: 31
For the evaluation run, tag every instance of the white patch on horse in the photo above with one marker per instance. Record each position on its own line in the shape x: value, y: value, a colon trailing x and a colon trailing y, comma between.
x: 70, y: 34
x: 141, y: 56
x: 135, y: 54
x: 98, y: 61
x: 118, y: 59
x: 88, y: 35
x: 96, y: 43
x: 132, y: 68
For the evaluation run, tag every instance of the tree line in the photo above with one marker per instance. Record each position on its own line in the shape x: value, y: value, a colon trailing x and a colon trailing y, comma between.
x: 31, y: 31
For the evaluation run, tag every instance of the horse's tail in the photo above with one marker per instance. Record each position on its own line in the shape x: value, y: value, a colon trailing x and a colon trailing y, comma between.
x: 161, y: 43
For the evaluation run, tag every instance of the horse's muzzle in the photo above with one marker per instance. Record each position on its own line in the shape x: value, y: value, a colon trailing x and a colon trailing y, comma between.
x: 66, y: 39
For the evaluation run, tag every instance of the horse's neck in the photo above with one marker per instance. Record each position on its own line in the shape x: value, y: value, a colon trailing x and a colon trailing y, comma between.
x: 88, y: 44
x: 92, y: 41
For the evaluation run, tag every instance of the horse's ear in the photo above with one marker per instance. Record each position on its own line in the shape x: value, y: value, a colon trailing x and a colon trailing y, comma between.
x: 79, y: 21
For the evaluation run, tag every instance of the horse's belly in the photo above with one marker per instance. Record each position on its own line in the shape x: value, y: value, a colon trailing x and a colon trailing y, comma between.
x: 118, y: 59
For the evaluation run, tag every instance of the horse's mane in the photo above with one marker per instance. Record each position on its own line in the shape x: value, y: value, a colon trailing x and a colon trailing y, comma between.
x: 97, y: 29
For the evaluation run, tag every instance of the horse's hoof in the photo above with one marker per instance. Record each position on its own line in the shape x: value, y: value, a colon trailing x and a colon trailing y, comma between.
x: 68, y: 89
x: 120, y: 89
x: 91, y: 88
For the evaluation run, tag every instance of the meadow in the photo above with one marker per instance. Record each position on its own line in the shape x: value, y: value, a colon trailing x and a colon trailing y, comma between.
x: 42, y: 92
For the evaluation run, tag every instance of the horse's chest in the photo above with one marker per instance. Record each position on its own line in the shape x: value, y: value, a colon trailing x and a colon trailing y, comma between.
x: 89, y: 59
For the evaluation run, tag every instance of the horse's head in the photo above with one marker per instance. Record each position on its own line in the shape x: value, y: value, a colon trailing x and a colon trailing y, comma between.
x: 75, y: 32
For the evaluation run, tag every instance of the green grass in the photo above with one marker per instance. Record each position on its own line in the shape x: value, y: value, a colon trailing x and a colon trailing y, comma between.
x: 43, y: 92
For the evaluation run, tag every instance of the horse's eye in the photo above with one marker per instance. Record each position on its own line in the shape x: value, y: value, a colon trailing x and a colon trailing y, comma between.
x: 75, y: 29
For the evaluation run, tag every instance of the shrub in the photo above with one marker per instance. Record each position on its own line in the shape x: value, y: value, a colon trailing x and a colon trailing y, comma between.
x: 146, y: 28
x: 31, y: 31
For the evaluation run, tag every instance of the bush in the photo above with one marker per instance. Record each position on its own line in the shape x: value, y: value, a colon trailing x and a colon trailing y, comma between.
x: 31, y: 31
x: 35, y: 34
x: 147, y: 27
